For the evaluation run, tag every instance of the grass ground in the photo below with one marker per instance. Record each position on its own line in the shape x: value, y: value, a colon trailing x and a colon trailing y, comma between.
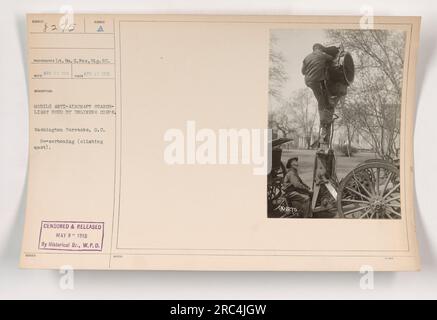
x: 306, y: 162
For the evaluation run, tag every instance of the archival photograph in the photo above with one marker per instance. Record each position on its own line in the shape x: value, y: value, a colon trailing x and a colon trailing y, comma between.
x: 335, y: 113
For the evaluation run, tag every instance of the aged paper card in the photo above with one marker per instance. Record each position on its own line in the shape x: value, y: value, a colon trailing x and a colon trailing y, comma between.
x: 173, y: 142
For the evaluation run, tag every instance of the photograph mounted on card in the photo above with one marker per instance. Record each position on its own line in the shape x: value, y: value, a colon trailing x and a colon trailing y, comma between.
x: 192, y: 142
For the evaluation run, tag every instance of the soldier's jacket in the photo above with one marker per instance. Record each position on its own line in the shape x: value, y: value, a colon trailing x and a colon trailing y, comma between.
x: 314, y: 66
x: 293, y: 182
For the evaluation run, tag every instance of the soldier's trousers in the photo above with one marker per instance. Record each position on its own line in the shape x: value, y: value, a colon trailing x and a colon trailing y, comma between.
x: 326, y: 109
x: 302, y: 202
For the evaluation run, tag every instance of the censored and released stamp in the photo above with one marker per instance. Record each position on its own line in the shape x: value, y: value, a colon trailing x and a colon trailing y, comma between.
x: 71, y: 236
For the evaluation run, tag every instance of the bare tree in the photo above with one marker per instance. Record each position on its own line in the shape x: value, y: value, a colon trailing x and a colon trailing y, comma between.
x: 277, y: 73
x: 373, y: 102
x: 347, y: 120
x: 303, y: 111
x: 280, y: 118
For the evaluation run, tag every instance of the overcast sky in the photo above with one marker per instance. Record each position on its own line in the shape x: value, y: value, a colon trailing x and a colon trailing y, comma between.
x: 295, y: 45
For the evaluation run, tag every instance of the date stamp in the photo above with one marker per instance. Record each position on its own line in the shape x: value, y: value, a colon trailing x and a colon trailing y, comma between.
x: 71, y: 236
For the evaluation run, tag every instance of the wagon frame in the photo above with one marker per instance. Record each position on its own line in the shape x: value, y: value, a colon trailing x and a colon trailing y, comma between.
x: 369, y: 191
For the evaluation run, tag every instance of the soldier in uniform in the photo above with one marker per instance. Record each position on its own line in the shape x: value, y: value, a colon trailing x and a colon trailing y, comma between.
x: 296, y: 190
x: 315, y: 69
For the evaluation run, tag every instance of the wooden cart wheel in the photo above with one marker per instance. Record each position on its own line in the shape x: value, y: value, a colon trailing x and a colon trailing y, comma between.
x: 370, y: 191
x: 275, y: 179
x: 274, y: 186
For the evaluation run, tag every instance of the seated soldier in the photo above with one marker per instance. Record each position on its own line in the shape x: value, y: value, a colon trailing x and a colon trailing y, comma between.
x: 296, y: 190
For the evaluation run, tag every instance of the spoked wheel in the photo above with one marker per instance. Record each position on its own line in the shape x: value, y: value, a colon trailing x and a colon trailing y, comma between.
x: 370, y: 191
x: 274, y: 187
